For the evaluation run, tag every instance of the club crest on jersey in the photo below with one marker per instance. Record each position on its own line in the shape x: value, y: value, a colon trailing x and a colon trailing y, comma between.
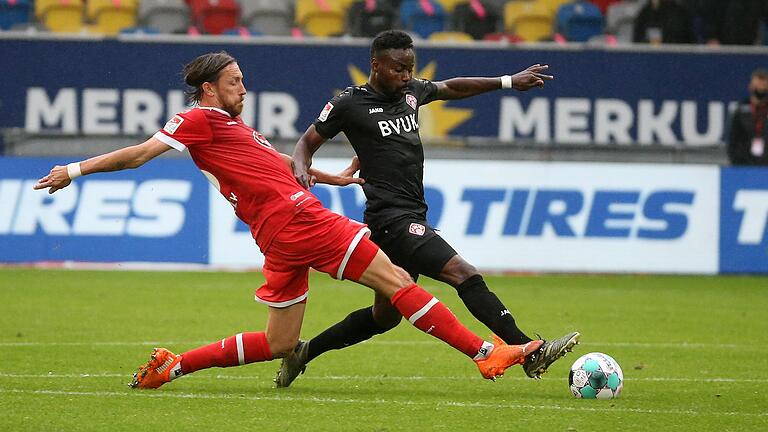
x: 173, y: 124
x: 324, y: 113
x: 410, y: 100
x: 259, y: 138
x: 417, y: 229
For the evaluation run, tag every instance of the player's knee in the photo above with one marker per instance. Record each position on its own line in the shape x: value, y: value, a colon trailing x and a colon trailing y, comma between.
x: 404, y: 278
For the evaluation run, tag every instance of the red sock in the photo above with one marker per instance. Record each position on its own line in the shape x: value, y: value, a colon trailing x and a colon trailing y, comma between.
x: 240, y: 349
x: 427, y: 314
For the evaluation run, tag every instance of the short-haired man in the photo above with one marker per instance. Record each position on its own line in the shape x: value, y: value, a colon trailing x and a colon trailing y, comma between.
x: 288, y: 223
x: 749, y: 134
x: 380, y: 119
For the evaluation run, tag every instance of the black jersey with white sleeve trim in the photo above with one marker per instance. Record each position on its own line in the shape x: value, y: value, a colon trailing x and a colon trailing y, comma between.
x: 384, y: 132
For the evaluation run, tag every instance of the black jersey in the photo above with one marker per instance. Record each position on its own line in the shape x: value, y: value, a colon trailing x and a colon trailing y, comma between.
x: 385, y: 135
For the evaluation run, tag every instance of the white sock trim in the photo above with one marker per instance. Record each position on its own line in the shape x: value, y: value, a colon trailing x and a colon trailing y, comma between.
x: 484, y: 352
x: 423, y: 311
x: 240, y: 351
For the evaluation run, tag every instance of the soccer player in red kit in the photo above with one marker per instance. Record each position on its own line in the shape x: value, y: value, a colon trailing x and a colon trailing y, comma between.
x: 290, y: 226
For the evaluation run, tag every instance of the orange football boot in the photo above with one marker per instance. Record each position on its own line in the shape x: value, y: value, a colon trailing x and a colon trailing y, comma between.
x: 503, y: 356
x: 156, y: 371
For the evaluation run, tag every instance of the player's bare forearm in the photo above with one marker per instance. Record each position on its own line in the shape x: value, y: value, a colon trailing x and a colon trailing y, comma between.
x: 129, y: 157
x: 464, y: 87
x: 302, y: 155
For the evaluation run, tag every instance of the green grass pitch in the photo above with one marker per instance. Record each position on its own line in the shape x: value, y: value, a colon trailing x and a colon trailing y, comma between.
x: 694, y: 352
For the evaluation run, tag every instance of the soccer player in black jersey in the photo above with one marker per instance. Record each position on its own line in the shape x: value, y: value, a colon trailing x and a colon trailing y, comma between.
x: 380, y: 119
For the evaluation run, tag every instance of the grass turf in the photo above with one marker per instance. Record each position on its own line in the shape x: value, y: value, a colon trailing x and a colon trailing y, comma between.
x: 693, y: 350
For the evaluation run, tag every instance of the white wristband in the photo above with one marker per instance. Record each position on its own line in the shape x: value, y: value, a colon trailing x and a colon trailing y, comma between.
x: 73, y: 170
x: 506, y: 81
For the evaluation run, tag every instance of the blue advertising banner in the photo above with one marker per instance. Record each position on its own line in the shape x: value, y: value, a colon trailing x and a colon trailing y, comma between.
x: 158, y: 213
x: 744, y: 220
x: 598, y: 95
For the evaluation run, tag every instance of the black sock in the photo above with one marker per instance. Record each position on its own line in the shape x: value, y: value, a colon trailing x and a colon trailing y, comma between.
x: 356, y: 327
x: 489, y: 310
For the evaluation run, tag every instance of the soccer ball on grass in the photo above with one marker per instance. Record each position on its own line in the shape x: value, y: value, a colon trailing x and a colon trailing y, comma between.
x: 596, y: 376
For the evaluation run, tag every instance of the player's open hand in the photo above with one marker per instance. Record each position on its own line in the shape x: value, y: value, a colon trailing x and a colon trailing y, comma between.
x: 347, y: 176
x: 531, y: 77
x: 57, y: 179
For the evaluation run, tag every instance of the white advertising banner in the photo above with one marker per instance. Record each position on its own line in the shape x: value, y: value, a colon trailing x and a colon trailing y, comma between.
x: 531, y: 216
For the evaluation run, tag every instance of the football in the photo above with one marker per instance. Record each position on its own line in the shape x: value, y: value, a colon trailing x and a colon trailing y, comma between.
x: 596, y: 376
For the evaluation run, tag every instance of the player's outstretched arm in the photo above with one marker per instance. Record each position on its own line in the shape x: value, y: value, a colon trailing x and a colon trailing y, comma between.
x: 302, y: 155
x: 459, y: 88
x: 124, y: 158
x: 344, y: 178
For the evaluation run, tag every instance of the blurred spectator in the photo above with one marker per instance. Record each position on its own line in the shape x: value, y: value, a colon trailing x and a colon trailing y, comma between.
x: 747, y: 141
x: 664, y: 21
x: 732, y: 22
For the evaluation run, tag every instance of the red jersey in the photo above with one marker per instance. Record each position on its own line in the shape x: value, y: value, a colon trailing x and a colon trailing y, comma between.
x: 242, y: 165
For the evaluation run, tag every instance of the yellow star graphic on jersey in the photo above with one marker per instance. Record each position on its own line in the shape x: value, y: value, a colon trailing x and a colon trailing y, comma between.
x: 436, y: 119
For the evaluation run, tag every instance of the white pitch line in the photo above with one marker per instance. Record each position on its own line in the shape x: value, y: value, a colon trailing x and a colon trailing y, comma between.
x: 375, y: 378
x: 665, y: 345
x: 321, y: 400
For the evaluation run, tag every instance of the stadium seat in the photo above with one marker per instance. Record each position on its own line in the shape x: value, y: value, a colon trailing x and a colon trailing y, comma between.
x: 620, y: 19
x: 321, y: 18
x: 371, y: 17
x: 503, y: 37
x: 111, y: 16
x: 242, y: 31
x: 450, y: 36
x: 603, y: 5
x: 579, y: 21
x: 215, y: 16
x: 553, y: 5
x: 476, y: 22
x: 422, y: 17
x: 450, y: 5
x: 269, y: 17
x: 532, y: 21
x: 14, y: 12
x: 60, y: 16
x: 167, y: 16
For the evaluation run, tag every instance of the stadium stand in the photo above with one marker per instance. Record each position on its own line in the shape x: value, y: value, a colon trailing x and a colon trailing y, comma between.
x: 530, y: 20
x: 450, y: 5
x: 422, y: 17
x: 367, y: 18
x: 269, y: 17
x: 553, y: 5
x: 579, y: 21
x: 111, y: 16
x: 13, y: 12
x: 321, y: 18
x: 620, y: 19
x: 166, y: 16
x: 477, y: 18
x: 450, y: 36
x: 60, y: 16
x: 215, y: 16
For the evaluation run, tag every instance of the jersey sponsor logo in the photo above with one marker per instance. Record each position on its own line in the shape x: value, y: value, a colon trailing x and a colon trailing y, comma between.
x: 411, y: 101
x: 375, y: 110
x: 173, y: 124
x: 296, y: 196
x: 401, y: 124
x: 325, y: 112
x: 417, y: 229
x: 152, y: 208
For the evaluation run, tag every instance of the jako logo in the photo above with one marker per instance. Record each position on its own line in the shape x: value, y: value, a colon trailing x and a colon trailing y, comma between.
x: 153, y: 208
x: 656, y: 215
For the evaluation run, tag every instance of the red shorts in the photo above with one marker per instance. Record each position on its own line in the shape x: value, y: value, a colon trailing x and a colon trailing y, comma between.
x: 317, y: 238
